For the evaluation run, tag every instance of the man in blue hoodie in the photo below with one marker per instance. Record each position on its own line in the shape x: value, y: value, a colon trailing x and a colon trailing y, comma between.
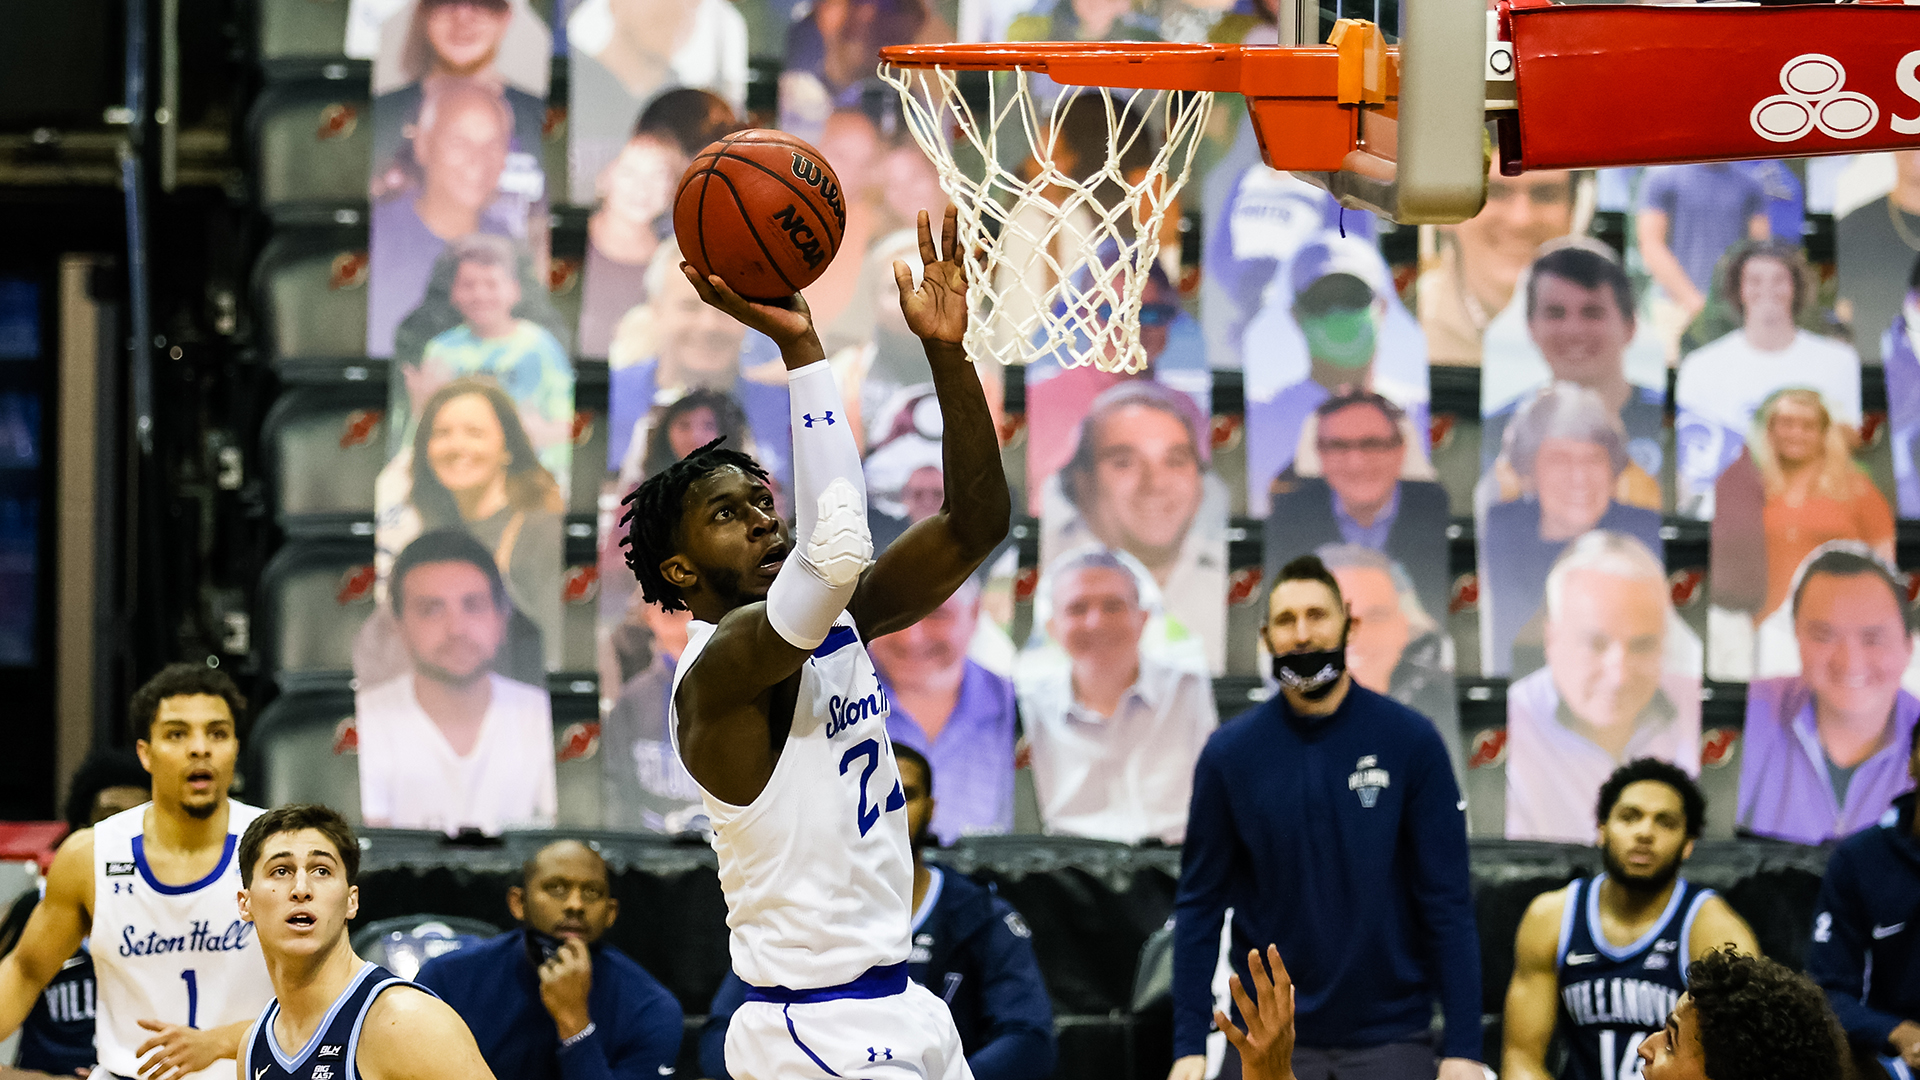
x: 1866, y: 938
x: 1329, y: 821
x: 969, y: 946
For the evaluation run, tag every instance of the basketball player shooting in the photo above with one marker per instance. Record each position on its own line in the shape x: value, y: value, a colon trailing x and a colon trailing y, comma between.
x: 333, y: 1015
x: 776, y: 709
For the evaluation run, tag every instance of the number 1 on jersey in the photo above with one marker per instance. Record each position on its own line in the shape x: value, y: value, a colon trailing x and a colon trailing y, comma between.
x: 193, y: 998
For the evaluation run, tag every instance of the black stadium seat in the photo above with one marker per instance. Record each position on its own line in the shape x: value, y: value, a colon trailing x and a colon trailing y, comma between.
x: 303, y: 748
x: 312, y: 149
x: 309, y: 30
x: 324, y: 448
x: 313, y: 598
x: 310, y: 295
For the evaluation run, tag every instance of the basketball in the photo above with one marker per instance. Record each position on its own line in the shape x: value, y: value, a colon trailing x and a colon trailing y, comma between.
x: 761, y: 209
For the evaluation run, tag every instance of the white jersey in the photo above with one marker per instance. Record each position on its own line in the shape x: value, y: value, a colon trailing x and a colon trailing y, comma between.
x: 179, y: 954
x: 817, y: 871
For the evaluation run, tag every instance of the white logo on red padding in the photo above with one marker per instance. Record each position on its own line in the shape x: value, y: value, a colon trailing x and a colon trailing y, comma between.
x: 1812, y: 97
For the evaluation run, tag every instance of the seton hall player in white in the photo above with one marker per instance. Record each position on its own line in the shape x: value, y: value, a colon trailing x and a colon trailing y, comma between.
x: 1606, y: 958
x: 179, y: 973
x: 333, y: 1016
x: 777, y: 712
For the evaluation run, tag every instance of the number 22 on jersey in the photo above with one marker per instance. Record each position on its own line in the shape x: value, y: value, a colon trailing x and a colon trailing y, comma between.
x: 869, y: 814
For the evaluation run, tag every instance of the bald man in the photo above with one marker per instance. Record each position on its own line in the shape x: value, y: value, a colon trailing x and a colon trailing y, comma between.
x: 551, y: 1000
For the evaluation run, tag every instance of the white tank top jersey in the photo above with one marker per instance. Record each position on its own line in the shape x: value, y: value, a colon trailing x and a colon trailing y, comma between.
x: 817, y: 871
x: 179, y: 954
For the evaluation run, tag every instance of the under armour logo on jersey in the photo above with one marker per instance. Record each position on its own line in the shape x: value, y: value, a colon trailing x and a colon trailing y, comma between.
x: 826, y: 420
x: 330, y: 1050
x: 885, y: 1053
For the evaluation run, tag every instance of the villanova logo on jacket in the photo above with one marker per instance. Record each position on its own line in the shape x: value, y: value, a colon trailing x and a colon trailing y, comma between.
x: 1368, y: 780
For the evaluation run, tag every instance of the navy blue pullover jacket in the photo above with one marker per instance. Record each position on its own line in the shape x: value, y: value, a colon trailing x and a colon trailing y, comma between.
x: 1868, y: 922
x: 1341, y: 839
x: 972, y: 950
x: 493, y: 986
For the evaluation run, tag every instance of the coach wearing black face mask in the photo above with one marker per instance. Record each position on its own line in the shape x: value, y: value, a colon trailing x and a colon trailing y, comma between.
x: 1329, y: 821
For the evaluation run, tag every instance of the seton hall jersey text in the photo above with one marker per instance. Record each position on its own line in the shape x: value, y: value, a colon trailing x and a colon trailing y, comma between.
x: 201, y: 937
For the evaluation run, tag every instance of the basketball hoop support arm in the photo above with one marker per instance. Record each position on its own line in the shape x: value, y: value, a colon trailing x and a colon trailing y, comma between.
x: 1686, y: 83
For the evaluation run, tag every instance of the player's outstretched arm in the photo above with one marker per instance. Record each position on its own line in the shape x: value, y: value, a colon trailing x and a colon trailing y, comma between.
x: 930, y: 560
x: 53, y: 931
x: 1718, y: 926
x: 410, y: 1035
x: 1533, y: 996
x: 724, y: 698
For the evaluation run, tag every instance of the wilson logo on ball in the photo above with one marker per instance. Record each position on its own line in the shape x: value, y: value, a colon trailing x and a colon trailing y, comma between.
x: 810, y: 173
x: 800, y: 235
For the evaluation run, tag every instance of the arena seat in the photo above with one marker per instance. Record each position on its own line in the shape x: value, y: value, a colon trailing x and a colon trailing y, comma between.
x: 590, y: 436
x: 310, y: 295
x: 314, y: 595
x: 1483, y: 737
x: 1456, y: 455
x: 324, y: 448
x: 312, y: 149
x: 299, y: 30
x: 302, y: 750
x: 404, y: 944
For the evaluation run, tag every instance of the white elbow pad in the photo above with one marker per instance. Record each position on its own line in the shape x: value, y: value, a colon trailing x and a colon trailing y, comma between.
x: 813, y: 588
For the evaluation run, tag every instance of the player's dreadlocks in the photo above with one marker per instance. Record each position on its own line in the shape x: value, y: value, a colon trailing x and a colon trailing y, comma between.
x: 653, y: 516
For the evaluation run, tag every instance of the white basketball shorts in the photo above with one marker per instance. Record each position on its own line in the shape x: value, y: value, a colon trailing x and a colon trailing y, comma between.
x: 907, y: 1035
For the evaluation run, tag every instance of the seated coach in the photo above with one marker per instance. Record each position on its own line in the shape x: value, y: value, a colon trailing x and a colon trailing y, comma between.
x: 970, y: 947
x: 549, y: 1001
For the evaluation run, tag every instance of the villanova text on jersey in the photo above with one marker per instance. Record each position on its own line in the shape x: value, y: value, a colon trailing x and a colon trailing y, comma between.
x: 200, y: 937
x: 1613, y: 997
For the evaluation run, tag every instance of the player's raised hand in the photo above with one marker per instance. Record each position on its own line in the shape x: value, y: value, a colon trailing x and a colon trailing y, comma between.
x: 1266, y: 1047
x: 937, y: 309
x: 789, y: 323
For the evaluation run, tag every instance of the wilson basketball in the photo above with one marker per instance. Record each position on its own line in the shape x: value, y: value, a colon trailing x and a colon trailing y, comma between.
x: 761, y: 209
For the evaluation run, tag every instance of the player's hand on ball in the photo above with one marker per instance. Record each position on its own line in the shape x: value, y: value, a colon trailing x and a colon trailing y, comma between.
x: 1266, y: 1047
x: 788, y: 323
x: 937, y: 309
x: 564, y: 982
x: 176, y: 1050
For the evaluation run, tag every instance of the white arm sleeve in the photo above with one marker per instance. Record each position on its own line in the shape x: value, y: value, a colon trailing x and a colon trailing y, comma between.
x: 832, y: 545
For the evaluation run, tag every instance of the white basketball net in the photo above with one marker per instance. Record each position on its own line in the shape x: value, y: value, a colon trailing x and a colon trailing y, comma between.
x: 1066, y: 261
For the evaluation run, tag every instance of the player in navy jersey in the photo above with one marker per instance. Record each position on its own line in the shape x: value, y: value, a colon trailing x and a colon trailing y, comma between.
x: 1605, y: 959
x: 776, y: 710
x: 57, y: 1037
x: 333, y: 1016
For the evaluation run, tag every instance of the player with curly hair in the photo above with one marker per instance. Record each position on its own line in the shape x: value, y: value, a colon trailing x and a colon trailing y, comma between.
x: 1745, y: 1018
